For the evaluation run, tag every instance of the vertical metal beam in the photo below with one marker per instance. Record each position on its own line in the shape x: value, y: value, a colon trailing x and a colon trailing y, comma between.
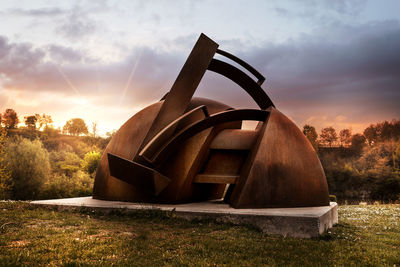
x: 184, y: 86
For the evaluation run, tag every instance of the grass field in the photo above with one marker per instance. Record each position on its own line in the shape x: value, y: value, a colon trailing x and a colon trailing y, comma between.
x: 29, y: 235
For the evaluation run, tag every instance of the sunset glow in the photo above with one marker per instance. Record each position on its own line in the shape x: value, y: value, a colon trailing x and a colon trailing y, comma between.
x: 327, y: 63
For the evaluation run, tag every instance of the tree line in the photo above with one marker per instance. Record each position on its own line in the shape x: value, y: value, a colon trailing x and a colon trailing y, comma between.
x: 360, y: 166
x: 9, y: 119
x: 375, y: 133
x: 40, y: 162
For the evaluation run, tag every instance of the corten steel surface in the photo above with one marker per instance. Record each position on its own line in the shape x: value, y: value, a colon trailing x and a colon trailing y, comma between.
x: 185, y: 149
x: 199, y: 126
x: 244, y: 81
x: 292, y: 174
x: 185, y: 85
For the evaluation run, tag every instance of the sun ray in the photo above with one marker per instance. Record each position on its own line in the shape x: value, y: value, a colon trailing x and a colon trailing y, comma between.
x: 67, y: 80
x: 128, y: 82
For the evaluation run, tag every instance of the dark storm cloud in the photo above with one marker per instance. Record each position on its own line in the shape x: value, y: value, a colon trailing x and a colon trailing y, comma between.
x: 356, y: 67
x: 340, y: 71
x: 316, y: 64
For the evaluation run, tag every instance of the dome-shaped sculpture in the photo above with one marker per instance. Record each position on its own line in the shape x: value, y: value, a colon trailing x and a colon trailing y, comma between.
x: 183, y: 149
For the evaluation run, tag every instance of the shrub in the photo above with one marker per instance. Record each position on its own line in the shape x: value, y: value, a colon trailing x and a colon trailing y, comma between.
x: 70, y: 164
x: 61, y: 186
x: 91, y: 161
x: 371, y: 175
x: 386, y: 189
x: 5, y: 174
x: 29, y: 165
x: 333, y: 198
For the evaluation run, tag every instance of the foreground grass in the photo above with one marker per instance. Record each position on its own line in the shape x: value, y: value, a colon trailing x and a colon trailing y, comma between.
x: 366, y: 235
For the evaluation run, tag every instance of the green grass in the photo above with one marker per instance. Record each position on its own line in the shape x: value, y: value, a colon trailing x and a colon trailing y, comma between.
x: 29, y: 235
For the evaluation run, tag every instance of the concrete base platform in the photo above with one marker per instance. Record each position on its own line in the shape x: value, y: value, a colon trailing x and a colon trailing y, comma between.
x: 295, y: 222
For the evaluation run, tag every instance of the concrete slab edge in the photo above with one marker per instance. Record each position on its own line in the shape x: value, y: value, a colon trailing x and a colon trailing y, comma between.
x: 288, y: 225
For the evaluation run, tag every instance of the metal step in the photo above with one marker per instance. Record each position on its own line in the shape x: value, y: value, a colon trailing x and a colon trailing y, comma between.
x: 215, y: 179
x: 235, y: 139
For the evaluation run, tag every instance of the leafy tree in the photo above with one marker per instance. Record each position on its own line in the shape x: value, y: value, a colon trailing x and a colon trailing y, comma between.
x: 311, y: 134
x: 111, y: 134
x: 371, y: 134
x: 91, y: 161
x: 30, y: 122
x: 5, y: 174
x: 345, y: 137
x: 386, y: 130
x: 382, y: 131
x: 75, y: 126
x: 43, y: 121
x: 29, y: 165
x: 10, y: 118
x: 49, y: 131
x: 357, y: 143
x: 328, y: 136
x: 70, y: 164
x: 376, y: 162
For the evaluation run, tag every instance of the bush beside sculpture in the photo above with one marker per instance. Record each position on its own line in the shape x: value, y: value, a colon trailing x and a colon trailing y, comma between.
x: 42, y: 168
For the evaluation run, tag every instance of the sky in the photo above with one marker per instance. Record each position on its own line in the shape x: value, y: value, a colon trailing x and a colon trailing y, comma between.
x: 326, y: 63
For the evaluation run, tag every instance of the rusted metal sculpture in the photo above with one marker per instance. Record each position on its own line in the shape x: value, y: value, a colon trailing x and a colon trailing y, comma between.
x: 184, y: 149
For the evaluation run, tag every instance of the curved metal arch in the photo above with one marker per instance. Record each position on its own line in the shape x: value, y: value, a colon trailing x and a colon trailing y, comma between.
x: 244, y: 64
x: 157, y: 141
x: 197, y: 127
x: 243, y: 80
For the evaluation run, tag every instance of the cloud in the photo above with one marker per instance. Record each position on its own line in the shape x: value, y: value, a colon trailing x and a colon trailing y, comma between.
x: 351, y: 7
x: 63, y: 54
x: 76, y: 25
x: 340, y: 75
x: 320, y: 11
x: 55, y: 68
x: 73, y: 23
x: 356, y: 67
x: 26, y: 68
x: 37, y: 12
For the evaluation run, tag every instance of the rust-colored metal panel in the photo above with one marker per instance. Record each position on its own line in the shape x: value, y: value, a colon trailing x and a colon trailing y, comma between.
x: 182, y: 149
x: 136, y: 174
x: 224, y: 161
x: 181, y: 167
x: 125, y: 143
x: 214, y: 120
x: 235, y: 139
x: 189, y: 156
x: 215, y: 179
x: 178, y: 98
x: 243, y: 80
x: 155, y: 144
x: 283, y: 170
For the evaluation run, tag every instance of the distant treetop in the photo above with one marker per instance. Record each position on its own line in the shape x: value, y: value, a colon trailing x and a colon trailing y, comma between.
x: 76, y: 126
